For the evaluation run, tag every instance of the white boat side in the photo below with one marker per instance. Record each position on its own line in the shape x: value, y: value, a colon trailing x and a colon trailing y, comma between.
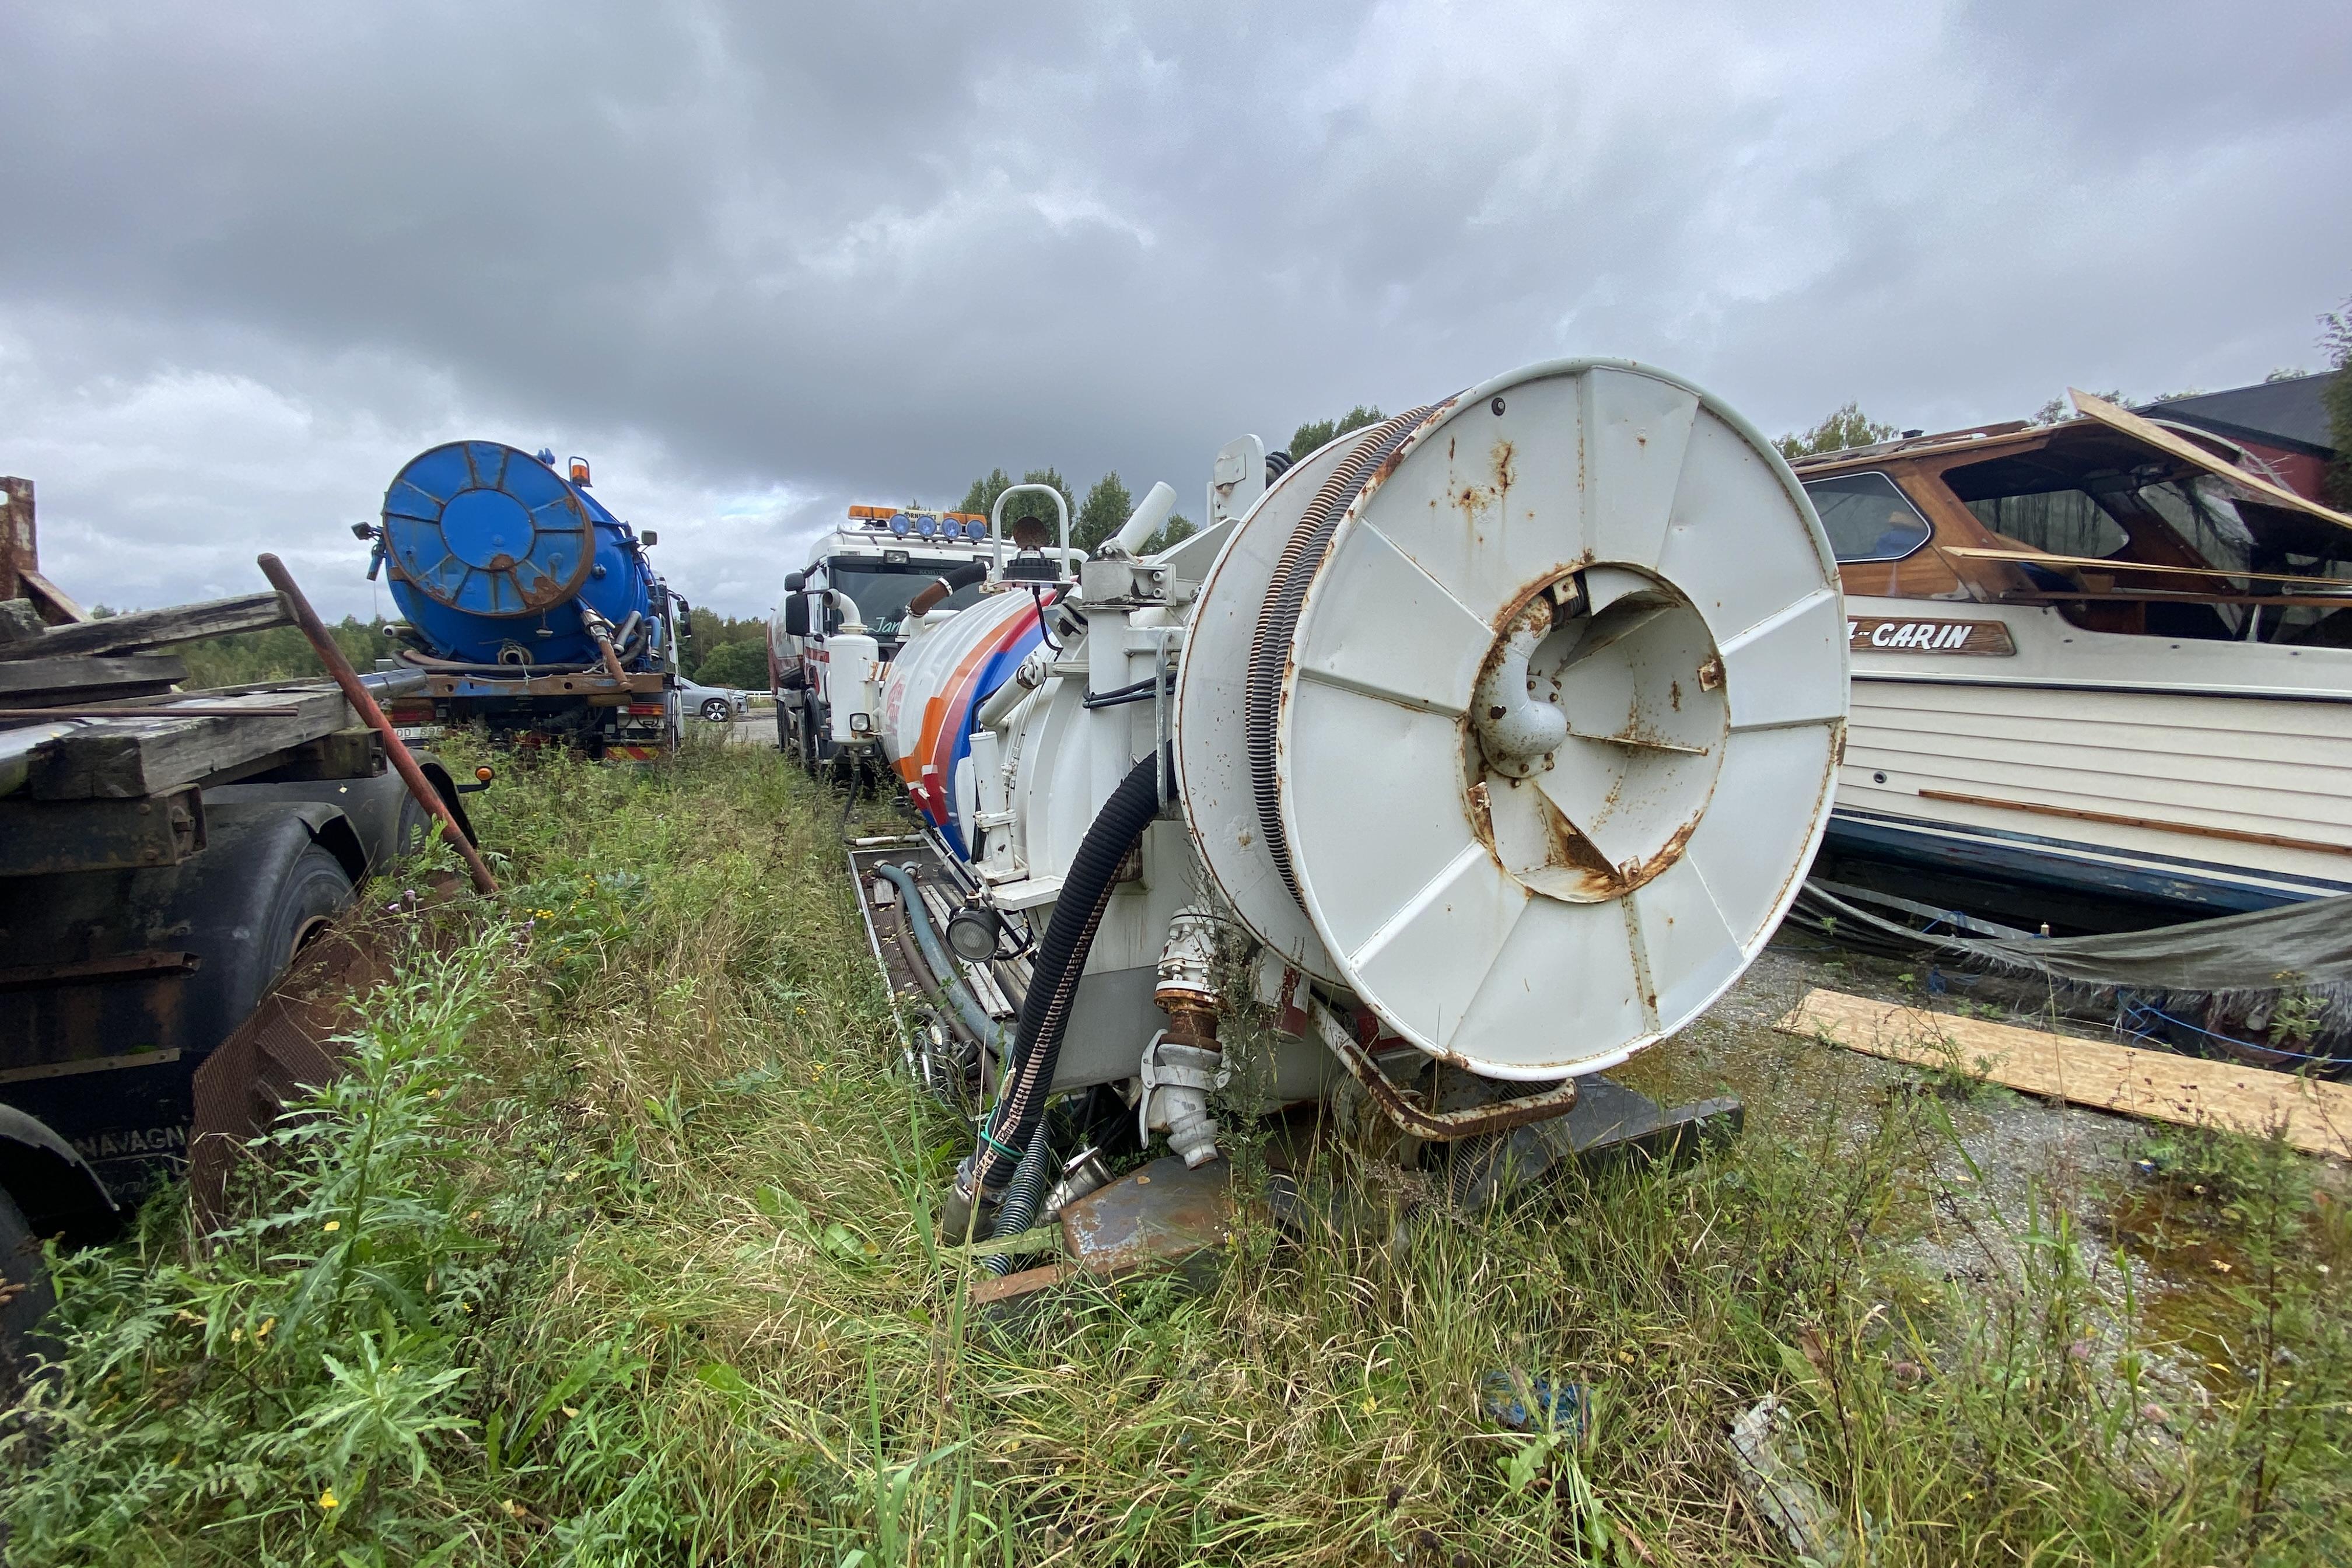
x: 2167, y: 759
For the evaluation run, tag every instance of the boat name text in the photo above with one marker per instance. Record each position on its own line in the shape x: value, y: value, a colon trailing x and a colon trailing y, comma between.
x: 1891, y: 635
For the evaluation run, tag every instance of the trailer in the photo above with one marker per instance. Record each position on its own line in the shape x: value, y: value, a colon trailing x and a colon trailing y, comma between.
x: 163, y: 855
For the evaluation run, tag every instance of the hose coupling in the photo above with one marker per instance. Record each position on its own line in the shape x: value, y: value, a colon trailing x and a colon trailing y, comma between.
x: 1177, y: 1082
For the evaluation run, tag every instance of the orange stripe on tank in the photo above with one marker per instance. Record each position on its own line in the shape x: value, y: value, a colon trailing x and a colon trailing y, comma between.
x: 937, y: 744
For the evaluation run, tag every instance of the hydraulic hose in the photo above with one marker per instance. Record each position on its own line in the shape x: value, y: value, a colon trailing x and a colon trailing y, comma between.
x: 1020, y: 1114
x: 927, y: 983
x: 1021, y: 1199
x: 941, y: 963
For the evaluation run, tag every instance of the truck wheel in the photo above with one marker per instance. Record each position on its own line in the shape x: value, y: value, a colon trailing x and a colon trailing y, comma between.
x: 27, y: 1293
x: 783, y: 730
x: 315, y: 890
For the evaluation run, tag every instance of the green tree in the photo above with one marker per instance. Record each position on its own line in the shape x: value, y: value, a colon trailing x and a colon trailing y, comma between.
x: 1847, y: 427
x: 2336, y: 342
x: 742, y: 664
x: 280, y: 653
x: 1175, y: 531
x: 1107, y: 505
x: 709, y: 633
x: 982, y: 496
x: 1316, y: 433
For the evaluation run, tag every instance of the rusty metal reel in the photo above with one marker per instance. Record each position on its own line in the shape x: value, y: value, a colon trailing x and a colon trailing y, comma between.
x: 1558, y: 718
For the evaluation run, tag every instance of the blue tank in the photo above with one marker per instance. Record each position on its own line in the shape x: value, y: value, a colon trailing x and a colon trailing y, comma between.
x: 493, y: 553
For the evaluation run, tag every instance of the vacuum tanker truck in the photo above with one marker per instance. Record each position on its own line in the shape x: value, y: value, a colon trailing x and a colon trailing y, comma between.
x: 843, y: 617
x: 531, y: 609
x: 1479, y: 750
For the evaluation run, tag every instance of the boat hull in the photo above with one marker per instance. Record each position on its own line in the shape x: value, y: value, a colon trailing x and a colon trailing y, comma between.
x: 2189, y: 777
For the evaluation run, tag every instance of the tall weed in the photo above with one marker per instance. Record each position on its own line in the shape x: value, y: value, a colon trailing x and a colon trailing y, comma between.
x: 632, y: 1261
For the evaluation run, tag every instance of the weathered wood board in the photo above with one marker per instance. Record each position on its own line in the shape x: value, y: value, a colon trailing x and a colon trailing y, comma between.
x: 37, y: 682
x: 2156, y: 1086
x: 143, y: 629
x: 123, y: 759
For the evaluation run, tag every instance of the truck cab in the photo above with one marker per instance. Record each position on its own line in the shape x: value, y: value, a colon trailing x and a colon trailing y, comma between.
x: 878, y: 561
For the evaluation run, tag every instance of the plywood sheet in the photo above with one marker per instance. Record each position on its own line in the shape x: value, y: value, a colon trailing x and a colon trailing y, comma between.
x: 2156, y: 1086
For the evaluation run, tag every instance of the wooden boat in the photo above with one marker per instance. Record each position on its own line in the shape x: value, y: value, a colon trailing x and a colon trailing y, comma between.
x: 2101, y: 674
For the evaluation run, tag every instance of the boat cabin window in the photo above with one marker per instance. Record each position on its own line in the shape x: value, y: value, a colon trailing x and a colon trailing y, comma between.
x: 2099, y: 507
x: 1867, y: 517
x: 2056, y: 522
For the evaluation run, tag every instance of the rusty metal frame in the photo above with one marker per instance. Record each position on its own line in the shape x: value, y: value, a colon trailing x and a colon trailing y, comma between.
x: 1401, y: 1106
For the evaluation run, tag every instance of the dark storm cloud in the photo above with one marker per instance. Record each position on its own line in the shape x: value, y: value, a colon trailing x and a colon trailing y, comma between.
x: 761, y: 259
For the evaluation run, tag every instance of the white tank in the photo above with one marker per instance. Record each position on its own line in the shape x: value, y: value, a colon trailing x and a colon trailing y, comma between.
x: 1507, y: 726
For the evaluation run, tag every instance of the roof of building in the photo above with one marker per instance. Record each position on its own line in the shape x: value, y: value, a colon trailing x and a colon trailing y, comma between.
x: 2287, y: 413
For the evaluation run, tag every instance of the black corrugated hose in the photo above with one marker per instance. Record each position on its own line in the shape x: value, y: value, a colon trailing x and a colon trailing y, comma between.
x: 1020, y: 1114
x: 1021, y: 1200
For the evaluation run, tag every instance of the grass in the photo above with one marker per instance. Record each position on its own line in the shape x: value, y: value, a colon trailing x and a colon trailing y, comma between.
x: 615, y: 1249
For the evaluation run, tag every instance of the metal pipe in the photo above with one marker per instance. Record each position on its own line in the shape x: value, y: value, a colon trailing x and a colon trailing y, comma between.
x: 1144, y: 521
x: 362, y: 703
x: 1026, y: 678
x: 602, y: 631
x: 926, y: 982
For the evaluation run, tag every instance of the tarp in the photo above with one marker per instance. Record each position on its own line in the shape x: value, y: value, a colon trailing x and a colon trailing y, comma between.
x: 2233, y: 960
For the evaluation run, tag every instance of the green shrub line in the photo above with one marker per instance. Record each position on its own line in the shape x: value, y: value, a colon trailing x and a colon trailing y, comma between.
x: 615, y: 1247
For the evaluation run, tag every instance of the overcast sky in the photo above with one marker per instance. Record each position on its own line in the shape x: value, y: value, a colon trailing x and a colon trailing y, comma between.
x: 759, y: 261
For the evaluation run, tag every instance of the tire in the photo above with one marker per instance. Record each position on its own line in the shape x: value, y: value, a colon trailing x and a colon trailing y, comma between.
x: 718, y: 710
x: 27, y: 1293
x: 314, y: 890
x: 783, y: 730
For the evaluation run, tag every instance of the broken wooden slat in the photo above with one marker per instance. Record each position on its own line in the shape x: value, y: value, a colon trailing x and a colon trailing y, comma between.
x: 123, y: 759
x: 53, y: 602
x: 32, y: 683
x: 143, y: 629
x: 2314, y: 1115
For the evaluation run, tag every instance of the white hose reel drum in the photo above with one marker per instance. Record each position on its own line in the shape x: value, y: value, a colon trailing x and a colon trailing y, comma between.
x: 1518, y: 716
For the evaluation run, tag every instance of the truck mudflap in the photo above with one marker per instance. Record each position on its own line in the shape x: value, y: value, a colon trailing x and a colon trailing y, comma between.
x: 285, y: 1048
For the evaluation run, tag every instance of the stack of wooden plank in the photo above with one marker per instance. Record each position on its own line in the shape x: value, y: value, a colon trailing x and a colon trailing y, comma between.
x: 88, y: 709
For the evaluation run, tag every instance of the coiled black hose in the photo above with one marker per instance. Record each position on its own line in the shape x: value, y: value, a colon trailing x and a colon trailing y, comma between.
x: 1020, y: 1114
x: 1021, y: 1200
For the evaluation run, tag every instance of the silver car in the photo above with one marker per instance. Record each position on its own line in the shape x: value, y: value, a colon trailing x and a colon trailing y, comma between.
x: 717, y: 704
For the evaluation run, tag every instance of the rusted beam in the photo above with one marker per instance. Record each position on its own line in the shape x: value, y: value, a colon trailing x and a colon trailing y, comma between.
x: 362, y: 703
x: 38, y: 837
x: 1404, y: 1108
x: 18, y: 546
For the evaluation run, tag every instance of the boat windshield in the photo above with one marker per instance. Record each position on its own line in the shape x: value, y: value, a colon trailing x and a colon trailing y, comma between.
x: 2097, y: 501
